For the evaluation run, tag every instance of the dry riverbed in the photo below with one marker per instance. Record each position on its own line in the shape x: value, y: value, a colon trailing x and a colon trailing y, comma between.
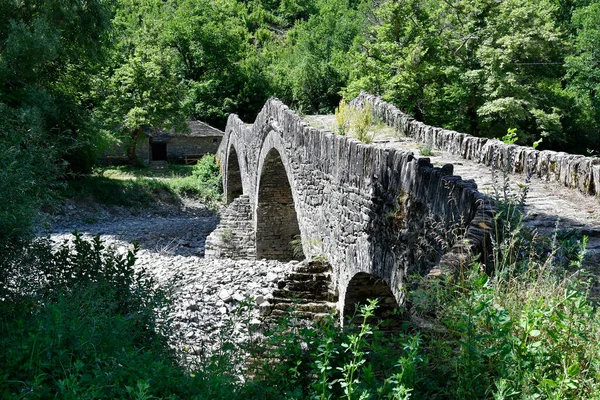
x: 207, y: 293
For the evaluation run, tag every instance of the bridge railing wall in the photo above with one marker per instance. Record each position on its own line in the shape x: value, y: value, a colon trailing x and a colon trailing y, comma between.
x: 574, y: 171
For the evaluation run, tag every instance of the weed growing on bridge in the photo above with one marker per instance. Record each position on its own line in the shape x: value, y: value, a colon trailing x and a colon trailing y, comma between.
x: 343, y: 118
x: 427, y: 149
x: 355, y: 121
x: 361, y: 124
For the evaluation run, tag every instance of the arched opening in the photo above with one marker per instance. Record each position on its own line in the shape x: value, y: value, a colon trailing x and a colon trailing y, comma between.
x: 364, y: 287
x: 234, y: 177
x: 277, y: 229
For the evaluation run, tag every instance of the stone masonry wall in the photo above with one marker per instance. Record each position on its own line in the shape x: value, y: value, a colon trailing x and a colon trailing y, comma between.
x: 365, y: 208
x: 574, y: 171
x: 234, y: 237
x: 179, y: 146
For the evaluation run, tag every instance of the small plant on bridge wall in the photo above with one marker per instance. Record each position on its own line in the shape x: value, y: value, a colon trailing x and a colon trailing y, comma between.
x: 355, y: 121
x: 313, y: 246
x: 362, y: 123
x: 226, y: 235
x: 296, y: 244
x: 397, y: 216
x: 343, y: 117
x: 427, y: 149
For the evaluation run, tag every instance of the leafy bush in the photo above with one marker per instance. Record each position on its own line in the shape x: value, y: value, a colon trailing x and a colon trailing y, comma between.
x: 205, y: 182
x: 80, y: 321
x: 328, y: 362
x: 28, y: 172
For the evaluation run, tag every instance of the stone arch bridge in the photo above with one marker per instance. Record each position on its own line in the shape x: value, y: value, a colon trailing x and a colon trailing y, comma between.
x: 375, y: 212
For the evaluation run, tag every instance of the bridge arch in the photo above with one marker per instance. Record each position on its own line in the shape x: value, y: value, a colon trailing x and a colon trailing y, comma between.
x: 233, y: 175
x: 363, y: 287
x: 277, y: 229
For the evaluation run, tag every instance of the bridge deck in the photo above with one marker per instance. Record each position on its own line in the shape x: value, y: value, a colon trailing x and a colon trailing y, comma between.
x: 545, y: 203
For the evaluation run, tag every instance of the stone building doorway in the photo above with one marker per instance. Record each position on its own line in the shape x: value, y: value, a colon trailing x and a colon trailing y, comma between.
x: 158, y: 151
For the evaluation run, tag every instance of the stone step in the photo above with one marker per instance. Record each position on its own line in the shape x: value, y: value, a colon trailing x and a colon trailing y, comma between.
x: 303, y: 295
x: 313, y: 267
x: 314, y: 307
x: 305, y: 276
x: 306, y: 286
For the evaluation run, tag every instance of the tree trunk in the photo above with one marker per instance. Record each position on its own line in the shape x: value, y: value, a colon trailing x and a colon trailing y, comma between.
x: 131, y: 147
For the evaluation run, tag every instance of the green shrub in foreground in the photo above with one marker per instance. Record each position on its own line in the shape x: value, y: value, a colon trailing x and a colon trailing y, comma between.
x: 80, y: 322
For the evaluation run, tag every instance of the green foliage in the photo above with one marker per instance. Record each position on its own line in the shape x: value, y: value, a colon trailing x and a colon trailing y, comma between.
x: 361, y: 123
x: 47, y: 53
x: 482, y: 67
x: 427, y: 150
x: 310, y: 66
x: 143, y: 92
x: 296, y: 244
x: 328, y: 362
x: 136, y: 188
x: 343, y: 118
x: 584, y: 74
x: 28, y: 172
x: 511, y: 136
x: 71, y: 314
x: 355, y: 121
x: 207, y: 175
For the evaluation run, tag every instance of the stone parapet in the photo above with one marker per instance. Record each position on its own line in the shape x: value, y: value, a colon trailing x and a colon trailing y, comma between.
x: 574, y: 171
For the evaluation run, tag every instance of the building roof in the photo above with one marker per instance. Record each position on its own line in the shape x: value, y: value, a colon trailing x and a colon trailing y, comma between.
x: 197, y: 129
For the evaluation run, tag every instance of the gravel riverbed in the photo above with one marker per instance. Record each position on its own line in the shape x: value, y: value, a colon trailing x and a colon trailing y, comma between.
x: 207, y: 292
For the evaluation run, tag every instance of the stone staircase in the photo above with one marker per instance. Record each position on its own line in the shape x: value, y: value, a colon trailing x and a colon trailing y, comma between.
x: 234, y: 237
x: 306, y: 293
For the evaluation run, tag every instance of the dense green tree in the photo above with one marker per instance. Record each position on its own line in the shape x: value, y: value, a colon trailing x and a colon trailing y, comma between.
x: 584, y: 73
x: 312, y: 65
x: 478, y: 66
x: 49, y: 52
x: 144, y: 93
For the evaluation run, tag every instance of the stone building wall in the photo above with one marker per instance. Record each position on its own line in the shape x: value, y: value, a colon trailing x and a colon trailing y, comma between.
x: 366, y: 209
x: 177, y: 147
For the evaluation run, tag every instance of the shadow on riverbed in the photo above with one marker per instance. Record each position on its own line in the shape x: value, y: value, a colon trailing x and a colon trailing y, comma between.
x: 182, y: 232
